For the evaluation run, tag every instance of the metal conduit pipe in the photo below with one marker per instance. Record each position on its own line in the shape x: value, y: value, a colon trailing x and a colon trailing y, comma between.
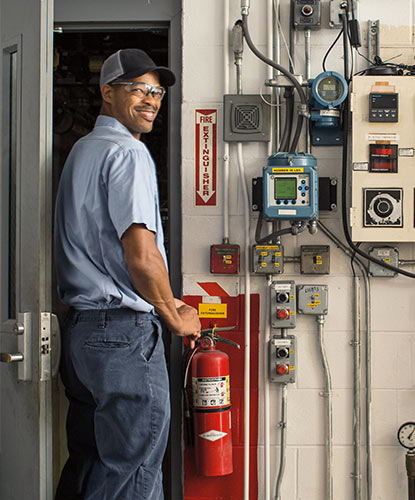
x: 226, y: 159
x: 328, y: 394
x: 307, y: 48
x: 283, y: 434
x: 277, y: 57
x: 247, y: 321
x: 368, y: 362
x: 356, y: 388
x: 283, y: 443
x: 247, y: 302
x: 267, y: 331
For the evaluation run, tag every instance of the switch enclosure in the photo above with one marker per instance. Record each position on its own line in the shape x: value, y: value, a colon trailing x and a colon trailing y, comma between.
x: 282, y: 353
x: 307, y: 14
x: 389, y: 255
x: 267, y: 259
x: 224, y: 259
x: 315, y: 259
x: 312, y: 299
x: 283, y: 303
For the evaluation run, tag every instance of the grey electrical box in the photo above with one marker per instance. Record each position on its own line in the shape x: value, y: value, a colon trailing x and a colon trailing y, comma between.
x: 307, y: 14
x: 246, y: 118
x: 283, y: 304
x: 312, y: 299
x: 282, y: 352
x: 315, y: 259
x: 389, y: 255
x: 336, y: 10
x: 267, y: 259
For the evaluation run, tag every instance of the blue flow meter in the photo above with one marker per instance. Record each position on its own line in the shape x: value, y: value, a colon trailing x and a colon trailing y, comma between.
x: 329, y: 89
x: 290, y: 187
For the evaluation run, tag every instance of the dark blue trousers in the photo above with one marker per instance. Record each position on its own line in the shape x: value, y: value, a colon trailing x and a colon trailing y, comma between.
x: 115, y: 376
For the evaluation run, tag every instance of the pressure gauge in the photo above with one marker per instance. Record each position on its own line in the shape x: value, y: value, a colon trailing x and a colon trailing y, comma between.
x: 329, y: 89
x: 406, y: 435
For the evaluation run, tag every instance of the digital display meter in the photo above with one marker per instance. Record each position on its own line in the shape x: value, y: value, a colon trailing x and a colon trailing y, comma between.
x: 329, y: 89
x: 285, y: 188
x: 290, y: 184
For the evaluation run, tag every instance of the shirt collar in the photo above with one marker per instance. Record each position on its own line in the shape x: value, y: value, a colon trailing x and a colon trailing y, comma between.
x: 109, y: 121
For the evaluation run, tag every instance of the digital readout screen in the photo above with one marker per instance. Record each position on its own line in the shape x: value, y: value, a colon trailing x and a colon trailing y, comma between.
x: 329, y: 89
x: 384, y: 101
x: 286, y: 188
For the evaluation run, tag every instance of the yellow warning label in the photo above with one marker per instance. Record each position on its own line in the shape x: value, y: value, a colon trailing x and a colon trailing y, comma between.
x: 386, y: 260
x: 287, y: 170
x: 277, y: 254
x: 267, y: 247
x: 292, y: 313
x: 276, y: 264
x: 263, y: 264
x: 264, y: 254
x: 213, y: 310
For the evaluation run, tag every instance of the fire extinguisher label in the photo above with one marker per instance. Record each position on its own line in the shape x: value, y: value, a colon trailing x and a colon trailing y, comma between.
x: 211, y: 391
x: 213, y: 435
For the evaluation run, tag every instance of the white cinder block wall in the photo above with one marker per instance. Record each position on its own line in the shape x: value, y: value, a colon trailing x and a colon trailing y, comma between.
x: 393, y: 300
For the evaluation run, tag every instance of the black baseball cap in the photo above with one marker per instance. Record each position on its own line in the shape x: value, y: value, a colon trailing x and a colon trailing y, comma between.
x: 130, y: 63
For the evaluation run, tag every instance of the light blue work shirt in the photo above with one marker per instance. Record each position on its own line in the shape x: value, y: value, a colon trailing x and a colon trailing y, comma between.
x: 108, y: 183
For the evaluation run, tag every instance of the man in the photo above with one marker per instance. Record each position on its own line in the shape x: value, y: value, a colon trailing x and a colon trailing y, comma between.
x: 111, y: 269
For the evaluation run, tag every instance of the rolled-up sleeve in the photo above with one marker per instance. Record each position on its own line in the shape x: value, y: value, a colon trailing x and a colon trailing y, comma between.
x: 131, y: 190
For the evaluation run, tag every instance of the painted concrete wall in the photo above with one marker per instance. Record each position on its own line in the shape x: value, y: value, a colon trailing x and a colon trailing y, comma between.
x: 393, y: 300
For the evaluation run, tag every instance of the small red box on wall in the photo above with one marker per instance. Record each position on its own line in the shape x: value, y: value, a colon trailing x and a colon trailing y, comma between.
x: 224, y: 259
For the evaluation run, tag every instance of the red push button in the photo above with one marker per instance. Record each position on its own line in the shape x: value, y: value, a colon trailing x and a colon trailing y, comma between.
x: 282, y: 369
x: 283, y: 313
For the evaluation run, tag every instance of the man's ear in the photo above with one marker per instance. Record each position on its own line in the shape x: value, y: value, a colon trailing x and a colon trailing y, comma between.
x: 107, y: 92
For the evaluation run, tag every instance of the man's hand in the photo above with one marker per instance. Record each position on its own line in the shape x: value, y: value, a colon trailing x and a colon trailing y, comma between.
x: 190, y: 326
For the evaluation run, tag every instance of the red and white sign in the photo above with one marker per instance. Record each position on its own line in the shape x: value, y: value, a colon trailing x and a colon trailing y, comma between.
x: 206, y: 147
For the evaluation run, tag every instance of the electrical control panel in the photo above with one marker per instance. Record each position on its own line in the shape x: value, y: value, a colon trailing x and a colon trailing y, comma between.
x: 283, y: 304
x: 282, y: 352
x: 312, y: 299
x: 383, y: 159
x: 224, y: 259
x: 267, y: 259
x: 290, y: 187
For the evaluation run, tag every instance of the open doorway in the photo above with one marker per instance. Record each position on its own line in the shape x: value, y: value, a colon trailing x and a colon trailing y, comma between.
x: 79, y: 52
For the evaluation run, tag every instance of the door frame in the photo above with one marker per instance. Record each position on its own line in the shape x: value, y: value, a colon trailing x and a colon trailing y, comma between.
x: 173, y: 470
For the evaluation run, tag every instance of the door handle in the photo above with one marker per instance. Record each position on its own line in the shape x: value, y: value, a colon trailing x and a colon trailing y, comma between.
x: 7, y: 357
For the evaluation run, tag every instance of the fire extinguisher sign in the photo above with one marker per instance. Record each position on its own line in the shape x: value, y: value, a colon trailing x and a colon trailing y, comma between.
x: 206, y: 147
x: 211, y: 392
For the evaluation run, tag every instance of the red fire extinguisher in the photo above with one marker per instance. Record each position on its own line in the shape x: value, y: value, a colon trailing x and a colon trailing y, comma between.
x: 212, y: 406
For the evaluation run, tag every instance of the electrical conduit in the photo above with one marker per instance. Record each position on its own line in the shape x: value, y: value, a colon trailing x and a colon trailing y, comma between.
x: 328, y: 394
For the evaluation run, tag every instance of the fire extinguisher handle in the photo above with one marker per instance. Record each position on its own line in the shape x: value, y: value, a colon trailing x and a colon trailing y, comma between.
x: 227, y: 341
x: 213, y: 329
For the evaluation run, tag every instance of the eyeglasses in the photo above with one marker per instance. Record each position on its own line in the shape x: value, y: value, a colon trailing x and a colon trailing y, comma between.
x: 141, y: 89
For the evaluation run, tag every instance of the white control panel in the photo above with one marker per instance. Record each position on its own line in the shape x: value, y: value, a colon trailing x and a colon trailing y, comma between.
x: 383, y: 159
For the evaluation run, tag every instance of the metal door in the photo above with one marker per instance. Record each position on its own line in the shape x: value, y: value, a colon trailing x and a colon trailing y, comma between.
x: 25, y: 253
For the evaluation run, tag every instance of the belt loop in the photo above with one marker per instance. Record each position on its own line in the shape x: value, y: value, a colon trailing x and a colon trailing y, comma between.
x: 102, y: 319
x: 137, y: 314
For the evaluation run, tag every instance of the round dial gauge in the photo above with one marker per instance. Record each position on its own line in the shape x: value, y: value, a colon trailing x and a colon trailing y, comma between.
x: 406, y: 435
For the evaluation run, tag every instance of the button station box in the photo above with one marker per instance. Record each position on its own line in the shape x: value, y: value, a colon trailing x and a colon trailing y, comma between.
x: 224, y: 259
x: 283, y: 304
x: 315, y: 259
x: 312, y: 299
x: 389, y: 255
x: 282, y: 352
x: 267, y: 259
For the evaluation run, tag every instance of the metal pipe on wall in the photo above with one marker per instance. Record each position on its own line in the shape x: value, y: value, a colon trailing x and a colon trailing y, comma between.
x: 226, y: 158
x: 356, y: 388
x: 329, y: 408
x: 368, y: 365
